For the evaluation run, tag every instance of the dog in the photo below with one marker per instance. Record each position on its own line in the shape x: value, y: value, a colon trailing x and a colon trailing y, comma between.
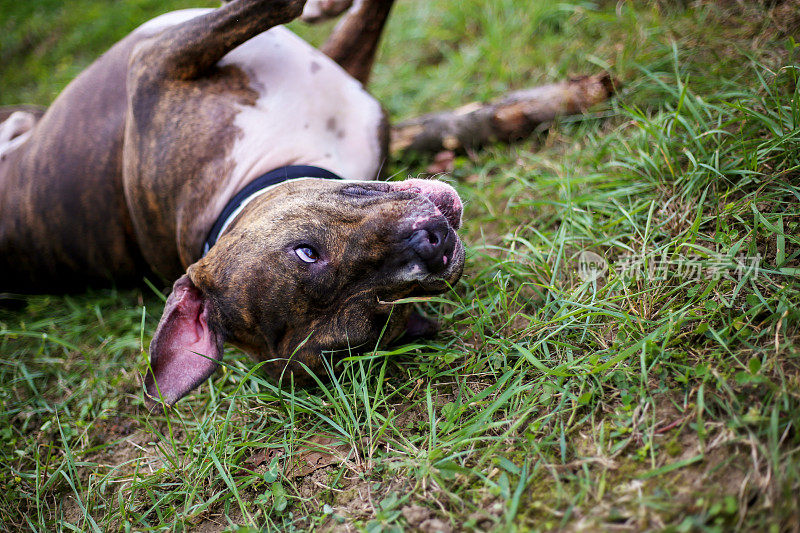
x: 215, y: 147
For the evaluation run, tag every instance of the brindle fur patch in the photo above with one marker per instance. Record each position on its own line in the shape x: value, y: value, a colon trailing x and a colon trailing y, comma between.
x: 63, y: 218
x: 169, y: 185
x: 177, y: 90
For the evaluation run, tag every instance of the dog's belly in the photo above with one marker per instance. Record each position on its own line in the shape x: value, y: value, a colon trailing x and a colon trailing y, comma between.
x: 309, y: 109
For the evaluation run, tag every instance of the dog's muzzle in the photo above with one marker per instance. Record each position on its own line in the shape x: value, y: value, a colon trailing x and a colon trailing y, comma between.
x: 438, y: 254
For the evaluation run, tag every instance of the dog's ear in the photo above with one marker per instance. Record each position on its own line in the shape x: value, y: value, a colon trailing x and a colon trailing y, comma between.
x: 185, y: 349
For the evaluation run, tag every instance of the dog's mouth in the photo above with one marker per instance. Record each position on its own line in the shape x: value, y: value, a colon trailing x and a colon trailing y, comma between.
x: 444, y: 267
x: 428, y: 251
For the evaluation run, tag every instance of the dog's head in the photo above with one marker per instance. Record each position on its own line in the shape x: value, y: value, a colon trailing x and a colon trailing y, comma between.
x: 311, y: 266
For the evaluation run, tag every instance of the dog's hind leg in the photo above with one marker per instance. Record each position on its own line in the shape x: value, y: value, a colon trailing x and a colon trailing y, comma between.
x: 355, y: 39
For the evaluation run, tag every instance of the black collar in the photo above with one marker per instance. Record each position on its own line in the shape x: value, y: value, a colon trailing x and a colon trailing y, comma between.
x: 252, y: 189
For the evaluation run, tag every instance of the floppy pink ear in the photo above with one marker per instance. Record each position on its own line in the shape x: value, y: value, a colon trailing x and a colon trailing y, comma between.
x: 182, y: 334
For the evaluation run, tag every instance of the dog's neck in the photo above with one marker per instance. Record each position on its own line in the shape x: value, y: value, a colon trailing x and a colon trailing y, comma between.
x: 256, y: 188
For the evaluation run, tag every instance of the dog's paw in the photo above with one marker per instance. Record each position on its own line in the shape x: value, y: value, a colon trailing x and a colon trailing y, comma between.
x: 280, y: 11
x: 321, y: 10
x: 18, y: 123
x: 287, y: 10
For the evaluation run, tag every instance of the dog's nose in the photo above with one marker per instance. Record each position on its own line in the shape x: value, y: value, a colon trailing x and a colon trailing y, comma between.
x: 434, y: 245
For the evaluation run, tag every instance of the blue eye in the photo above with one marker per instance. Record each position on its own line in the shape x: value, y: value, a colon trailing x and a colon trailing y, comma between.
x: 307, y: 254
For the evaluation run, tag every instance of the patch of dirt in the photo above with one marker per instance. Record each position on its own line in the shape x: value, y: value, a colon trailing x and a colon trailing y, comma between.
x: 358, y: 498
x: 218, y: 522
x: 72, y: 511
x: 132, y: 453
x: 425, y: 520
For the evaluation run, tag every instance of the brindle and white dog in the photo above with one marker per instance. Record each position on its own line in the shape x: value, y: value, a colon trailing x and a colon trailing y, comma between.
x: 169, y: 154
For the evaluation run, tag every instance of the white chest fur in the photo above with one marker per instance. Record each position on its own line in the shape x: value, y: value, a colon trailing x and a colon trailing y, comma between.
x: 309, y: 110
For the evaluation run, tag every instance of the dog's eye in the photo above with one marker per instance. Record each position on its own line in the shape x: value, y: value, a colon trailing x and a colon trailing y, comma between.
x: 358, y: 191
x: 307, y: 254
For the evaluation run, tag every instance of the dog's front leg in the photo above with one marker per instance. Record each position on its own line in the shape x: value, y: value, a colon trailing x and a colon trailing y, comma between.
x: 175, y: 123
x: 189, y: 50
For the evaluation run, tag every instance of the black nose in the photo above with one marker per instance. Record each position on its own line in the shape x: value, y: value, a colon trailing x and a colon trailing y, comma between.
x: 434, y: 245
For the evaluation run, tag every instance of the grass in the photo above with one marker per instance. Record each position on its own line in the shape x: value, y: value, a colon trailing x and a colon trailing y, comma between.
x: 659, y: 393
